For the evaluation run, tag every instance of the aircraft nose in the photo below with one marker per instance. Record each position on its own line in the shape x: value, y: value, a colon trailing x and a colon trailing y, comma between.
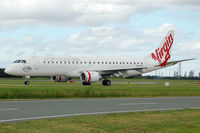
x: 8, y: 71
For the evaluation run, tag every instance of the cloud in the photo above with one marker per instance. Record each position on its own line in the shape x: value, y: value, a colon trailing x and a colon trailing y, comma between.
x: 103, y: 41
x: 122, y: 39
x: 192, y: 48
x: 26, y: 46
x: 16, y: 13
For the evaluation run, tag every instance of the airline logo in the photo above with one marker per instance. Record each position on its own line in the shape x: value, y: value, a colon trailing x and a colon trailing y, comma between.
x: 27, y: 68
x: 164, y: 51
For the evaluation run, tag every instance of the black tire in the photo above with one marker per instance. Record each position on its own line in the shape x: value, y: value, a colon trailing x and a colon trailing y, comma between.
x: 26, y: 82
x: 86, y: 83
x: 106, y: 82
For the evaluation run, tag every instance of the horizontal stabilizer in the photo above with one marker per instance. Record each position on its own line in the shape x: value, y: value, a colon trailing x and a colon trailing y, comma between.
x: 170, y: 63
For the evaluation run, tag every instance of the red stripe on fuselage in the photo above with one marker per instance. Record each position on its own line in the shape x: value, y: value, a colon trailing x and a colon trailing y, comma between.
x: 59, y: 78
x: 89, y: 76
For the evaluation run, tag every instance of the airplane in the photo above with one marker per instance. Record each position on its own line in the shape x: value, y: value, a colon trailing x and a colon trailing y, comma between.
x: 62, y: 69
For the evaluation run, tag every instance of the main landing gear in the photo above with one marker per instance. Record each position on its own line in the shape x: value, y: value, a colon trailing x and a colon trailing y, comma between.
x: 86, y: 83
x: 106, y: 82
x: 27, y: 80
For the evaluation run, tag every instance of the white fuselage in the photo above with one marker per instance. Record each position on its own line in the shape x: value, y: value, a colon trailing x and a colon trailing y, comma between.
x: 73, y: 66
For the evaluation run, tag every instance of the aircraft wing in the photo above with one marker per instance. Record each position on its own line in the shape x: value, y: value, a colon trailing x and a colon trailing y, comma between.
x: 118, y: 70
x: 138, y: 69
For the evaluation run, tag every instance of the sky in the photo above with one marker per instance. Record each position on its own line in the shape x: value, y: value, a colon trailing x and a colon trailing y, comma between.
x: 105, y: 28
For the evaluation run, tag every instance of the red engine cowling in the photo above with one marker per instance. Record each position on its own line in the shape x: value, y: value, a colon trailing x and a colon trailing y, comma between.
x: 88, y: 77
x: 60, y: 78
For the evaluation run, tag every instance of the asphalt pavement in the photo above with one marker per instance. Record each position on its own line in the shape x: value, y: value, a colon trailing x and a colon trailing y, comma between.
x: 12, y: 111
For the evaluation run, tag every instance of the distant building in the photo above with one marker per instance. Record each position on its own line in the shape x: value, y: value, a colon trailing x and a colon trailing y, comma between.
x: 185, y: 74
x: 191, y: 73
x: 175, y: 74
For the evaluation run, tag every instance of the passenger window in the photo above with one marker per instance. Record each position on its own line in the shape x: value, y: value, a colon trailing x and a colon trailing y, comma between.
x: 44, y: 62
x: 68, y: 62
x: 52, y: 62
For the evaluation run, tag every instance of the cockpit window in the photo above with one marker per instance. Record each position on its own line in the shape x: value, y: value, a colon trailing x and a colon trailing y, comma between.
x: 20, y: 61
x: 23, y: 61
x: 17, y: 61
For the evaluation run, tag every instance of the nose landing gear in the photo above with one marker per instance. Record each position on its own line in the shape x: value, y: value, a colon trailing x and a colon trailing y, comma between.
x: 27, y: 80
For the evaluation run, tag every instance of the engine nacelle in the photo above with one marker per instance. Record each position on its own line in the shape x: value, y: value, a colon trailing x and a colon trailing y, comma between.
x: 88, y: 77
x: 60, y: 78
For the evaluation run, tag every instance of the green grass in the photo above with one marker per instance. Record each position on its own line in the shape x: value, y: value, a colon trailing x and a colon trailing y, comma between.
x: 44, y: 88
x: 179, y: 121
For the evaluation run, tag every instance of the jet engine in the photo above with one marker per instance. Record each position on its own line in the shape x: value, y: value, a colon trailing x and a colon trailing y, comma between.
x: 60, y: 78
x: 88, y: 77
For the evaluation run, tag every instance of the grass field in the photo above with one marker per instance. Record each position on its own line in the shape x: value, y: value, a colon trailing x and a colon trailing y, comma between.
x: 179, y: 121
x: 44, y: 88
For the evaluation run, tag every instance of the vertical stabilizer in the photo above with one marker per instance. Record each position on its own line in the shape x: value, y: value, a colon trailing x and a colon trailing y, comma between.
x: 163, y: 53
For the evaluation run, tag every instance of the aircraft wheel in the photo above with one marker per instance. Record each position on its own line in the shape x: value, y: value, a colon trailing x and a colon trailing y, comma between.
x: 86, y: 83
x: 106, y: 82
x: 26, y: 82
